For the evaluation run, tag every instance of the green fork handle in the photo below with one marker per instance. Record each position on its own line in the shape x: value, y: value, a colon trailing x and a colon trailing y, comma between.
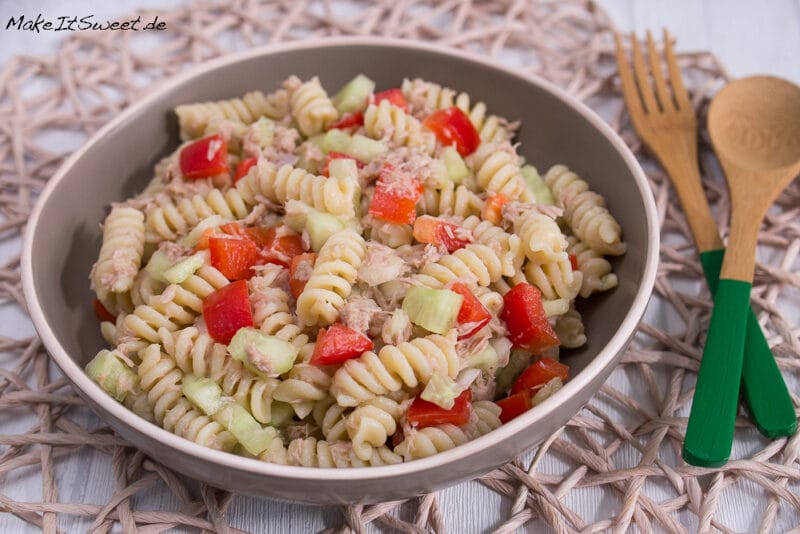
x: 709, y: 433
x: 762, y: 383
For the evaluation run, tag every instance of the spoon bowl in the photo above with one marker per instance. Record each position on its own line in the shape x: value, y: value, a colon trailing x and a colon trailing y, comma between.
x: 755, y: 123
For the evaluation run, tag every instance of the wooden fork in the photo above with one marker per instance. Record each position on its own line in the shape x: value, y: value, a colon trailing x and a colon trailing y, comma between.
x: 665, y: 120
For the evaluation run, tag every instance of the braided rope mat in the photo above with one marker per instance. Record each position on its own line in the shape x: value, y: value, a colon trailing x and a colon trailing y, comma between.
x: 625, y: 442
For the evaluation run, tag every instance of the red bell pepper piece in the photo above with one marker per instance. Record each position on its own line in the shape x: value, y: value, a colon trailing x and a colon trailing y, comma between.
x: 338, y: 343
x: 514, y: 405
x: 540, y: 373
x: 453, y: 127
x: 233, y: 256
x: 526, y: 320
x: 422, y: 413
x: 205, y: 157
x: 208, y: 233
x: 493, y: 208
x: 573, y: 260
x: 394, y: 96
x: 102, y: 312
x: 395, y: 197
x: 349, y: 121
x: 277, y: 244
x: 338, y: 155
x: 473, y: 315
x: 243, y: 167
x: 226, y: 310
x: 300, y: 272
x: 435, y: 231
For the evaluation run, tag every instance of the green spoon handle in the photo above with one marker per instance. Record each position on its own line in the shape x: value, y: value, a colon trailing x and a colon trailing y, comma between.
x: 709, y: 434
x: 762, y: 383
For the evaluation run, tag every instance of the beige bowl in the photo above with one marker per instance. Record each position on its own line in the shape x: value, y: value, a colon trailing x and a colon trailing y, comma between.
x: 63, y: 239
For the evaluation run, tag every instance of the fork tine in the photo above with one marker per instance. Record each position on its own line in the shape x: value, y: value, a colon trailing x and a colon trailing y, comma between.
x: 664, y: 96
x: 640, y: 69
x: 681, y: 96
x: 629, y: 90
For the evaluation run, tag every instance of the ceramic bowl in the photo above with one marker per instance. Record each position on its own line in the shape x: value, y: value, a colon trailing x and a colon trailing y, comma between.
x: 63, y: 239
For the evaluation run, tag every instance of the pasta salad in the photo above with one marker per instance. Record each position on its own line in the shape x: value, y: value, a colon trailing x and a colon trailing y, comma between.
x: 355, y: 280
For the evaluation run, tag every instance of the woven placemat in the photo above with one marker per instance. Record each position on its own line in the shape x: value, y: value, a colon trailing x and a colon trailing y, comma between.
x: 626, y: 441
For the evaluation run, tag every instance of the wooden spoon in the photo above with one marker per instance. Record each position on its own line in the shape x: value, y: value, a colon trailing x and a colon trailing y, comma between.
x: 755, y: 127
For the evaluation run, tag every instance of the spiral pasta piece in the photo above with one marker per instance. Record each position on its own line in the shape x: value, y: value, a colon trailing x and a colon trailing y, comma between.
x: 597, y: 275
x: 177, y: 306
x: 485, y: 418
x: 195, y: 119
x: 119, y: 303
x: 585, y: 212
x: 425, y: 96
x: 331, y: 418
x: 555, y: 279
x: 497, y: 170
x: 410, y: 363
x: 197, y: 353
x: 474, y: 263
x: 120, y: 256
x: 430, y: 440
x: 271, y: 312
x: 161, y: 379
x: 145, y: 287
x: 385, y: 121
x: 569, y: 329
x: 335, y: 196
x: 311, y: 107
x: 542, y: 240
x: 450, y: 200
x: 170, y: 218
x: 310, y: 452
x: 492, y: 300
x: 303, y: 385
x: 371, y: 424
x: 508, y: 247
x: 332, y: 279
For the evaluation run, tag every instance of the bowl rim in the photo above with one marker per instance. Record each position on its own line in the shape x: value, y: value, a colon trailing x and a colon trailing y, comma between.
x: 605, y: 357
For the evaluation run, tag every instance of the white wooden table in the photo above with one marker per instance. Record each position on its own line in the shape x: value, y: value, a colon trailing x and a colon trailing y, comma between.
x: 749, y: 37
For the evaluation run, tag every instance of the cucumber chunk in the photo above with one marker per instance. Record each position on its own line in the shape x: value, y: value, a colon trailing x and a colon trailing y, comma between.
x: 184, y: 269
x: 336, y: 141
x: 112, y: 374
x: 264, y: 130
x: 435, y: 310
x: 264, y: 355
x: 247, y: 431
x: 485, y: 359
x: 456, y: 168
x: 353, y: 96
x: 442, y: 391
x: 365, y: 149
x: 158, y: 265
x: 505, y: 377
x: 212, y: 221
x: 280, y: 413
x: 321, y: 226
x: 537, y: 186
x: 203, y: 393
